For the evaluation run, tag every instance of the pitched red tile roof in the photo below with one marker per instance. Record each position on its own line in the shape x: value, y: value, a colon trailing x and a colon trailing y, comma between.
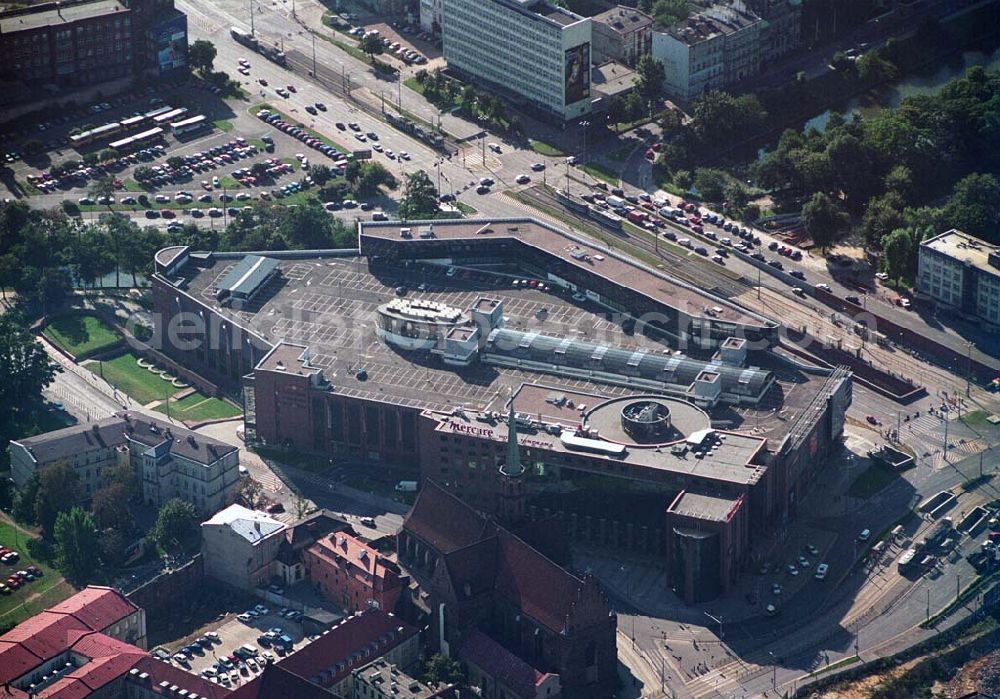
x: 475, y: 565
x: 443, y: 521
x: 46, y: 634
x: 372, y: 629
x: 15, y: 660
x: 498, y: 662
x: 160, y: 671
x: 542, y: 589
x: 275, y: 681
x: 66, y: 688
x: 98, y: 607
x: 477, y: 551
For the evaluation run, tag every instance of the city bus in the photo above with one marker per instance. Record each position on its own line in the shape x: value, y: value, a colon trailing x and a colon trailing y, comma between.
x: 195, y: 123
x: 170, y: 117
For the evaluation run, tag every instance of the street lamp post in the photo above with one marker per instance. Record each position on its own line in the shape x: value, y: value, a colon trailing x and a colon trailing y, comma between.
x: 968, y: 374
x: 774, y: 671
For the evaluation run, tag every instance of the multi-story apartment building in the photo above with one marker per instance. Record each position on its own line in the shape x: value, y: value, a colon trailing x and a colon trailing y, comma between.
x: 717, y: 45
x: 168, y: 461
x: 240, y: 546
x: 622, y: 34
x: 70, y: 44
x: 535, y: 52
x: 781, y: 31
x: 351, y: 574
x: 961, y: 272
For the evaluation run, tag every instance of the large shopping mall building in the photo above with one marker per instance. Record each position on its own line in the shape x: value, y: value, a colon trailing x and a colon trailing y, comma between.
x: 651, y: 415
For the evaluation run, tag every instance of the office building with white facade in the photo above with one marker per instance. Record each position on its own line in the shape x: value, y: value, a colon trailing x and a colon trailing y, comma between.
x: 718, y: 45
x: 961, y: 272
x: 537, y: 53
x: 167, y: 460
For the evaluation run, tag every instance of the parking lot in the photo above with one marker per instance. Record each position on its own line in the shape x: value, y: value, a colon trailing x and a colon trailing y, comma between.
x: 232, y: 634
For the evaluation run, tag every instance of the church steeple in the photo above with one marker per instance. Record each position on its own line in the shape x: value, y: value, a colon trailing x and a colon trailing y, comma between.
x: 512, y: 465
x: 511, y: 505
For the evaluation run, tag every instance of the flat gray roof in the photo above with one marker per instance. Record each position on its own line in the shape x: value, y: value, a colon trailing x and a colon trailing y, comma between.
x: 965, y: 248
x: 64, y: 15
x: 716, y: 508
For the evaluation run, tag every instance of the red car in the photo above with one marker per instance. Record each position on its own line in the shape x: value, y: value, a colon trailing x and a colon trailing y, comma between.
x: 290, y: 88
x: 13, y: 582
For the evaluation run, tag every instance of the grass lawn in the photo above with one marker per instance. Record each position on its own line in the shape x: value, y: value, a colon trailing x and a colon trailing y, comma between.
x: 82, y: 335
x: 35, y: 596
x: 123, y: 373
x: 977, y: 418
x: 223, y: 125
x: 871, y: 481
x: 133, y: 186
x: 545, y: 149
x: 601, y: 172
x: 198, y: 407
x: 465, y: 208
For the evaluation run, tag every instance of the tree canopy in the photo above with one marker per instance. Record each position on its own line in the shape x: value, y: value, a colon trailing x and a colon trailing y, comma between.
x: 201, y: 55
x: 176, y: 522
x: 77, y: 551
x: 823, y: 219
x: 420, y: 198
x: 649, y: 76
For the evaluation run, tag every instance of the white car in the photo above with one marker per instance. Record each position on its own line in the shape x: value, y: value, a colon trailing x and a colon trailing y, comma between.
x: 821, y: 571
x: 865, y: 535
x: 403, y: 155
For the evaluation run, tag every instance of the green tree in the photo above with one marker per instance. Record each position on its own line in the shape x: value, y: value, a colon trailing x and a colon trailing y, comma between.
x: 102, y: 187
x: 617, y: 113
x: 371, y: 45
x: 76, y: 545
x: 24, y: 500
x: 683, y: 179
x: 109, y: 507
x: 374, y: 175
x: 634, y: 107
x: 840, y: 61
x: 249, y: 492
x: 420, y: 198
x: 321, y: 174
x: 670, y: 12
x: 201, y: 56
x: 176, y: 522
x: 25, y: 369
x: 259, y: 171
x: 823, y: 219
x: 57, y: 492
x: 899, y: 180
x: 440, y: 669
x: 176, y: 162
x: 719, y: 117
x: 649, y: 77
x: 111, y: 545
x: 882, y: 215
x: 974, y: 206
x: 898, y: 253
x: 737, y: 197
x: 124, y: 475
x: 873, y: 68
x: 710, y: 183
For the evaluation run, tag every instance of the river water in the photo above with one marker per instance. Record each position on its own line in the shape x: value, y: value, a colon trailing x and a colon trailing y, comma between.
x: 928, y: 81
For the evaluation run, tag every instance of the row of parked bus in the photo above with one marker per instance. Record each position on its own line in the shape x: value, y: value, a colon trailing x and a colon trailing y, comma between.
x: 155, y: 123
